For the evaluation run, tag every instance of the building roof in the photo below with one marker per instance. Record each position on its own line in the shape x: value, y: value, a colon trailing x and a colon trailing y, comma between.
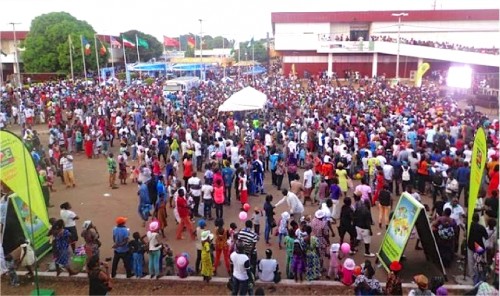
x: 384, y: 16
x: 9, y: 35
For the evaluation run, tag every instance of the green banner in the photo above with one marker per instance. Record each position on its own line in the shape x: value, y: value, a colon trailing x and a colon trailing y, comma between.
x: 18, y: 173
x: 39, y: 238
x: 477, y: 164
x: 399, y: 230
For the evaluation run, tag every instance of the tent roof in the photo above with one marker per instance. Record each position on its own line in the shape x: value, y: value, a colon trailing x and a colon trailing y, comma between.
x: 246, y: 99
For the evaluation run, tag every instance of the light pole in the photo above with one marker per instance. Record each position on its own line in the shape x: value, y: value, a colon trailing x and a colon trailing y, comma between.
x: 201, y: 47
x: 399, y: 16
x: 16, y: 56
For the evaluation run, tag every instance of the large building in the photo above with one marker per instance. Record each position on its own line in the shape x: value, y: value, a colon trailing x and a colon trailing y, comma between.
x: 366, y: 41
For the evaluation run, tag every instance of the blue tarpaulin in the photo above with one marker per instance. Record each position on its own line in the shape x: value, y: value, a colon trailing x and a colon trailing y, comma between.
x: 145, y: 67
x: 254, y: 70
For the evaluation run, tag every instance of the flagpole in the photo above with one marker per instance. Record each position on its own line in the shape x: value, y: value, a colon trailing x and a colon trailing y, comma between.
x: 138, y: 56
x: 127, y: 74
x: 137, y: 47
x: 253, y: 60
x: 112, y: 57
x: 71, y: 57
x: 180, y: 47
x: 97, y: 58
x: 83, y: 59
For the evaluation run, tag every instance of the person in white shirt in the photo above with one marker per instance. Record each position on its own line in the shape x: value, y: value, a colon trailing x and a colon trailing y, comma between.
x: 241, y: 267
x: 308, y: 183
x: 69, y: 217
x: 268, y: 268
x: 207, y: 191
x: 388, y: 171
x: 457, y: 212
x: 293, y: 202
x: 66, y: 163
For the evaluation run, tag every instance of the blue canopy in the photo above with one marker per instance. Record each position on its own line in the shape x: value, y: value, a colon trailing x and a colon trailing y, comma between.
x: 151, y: 67
x: 255, y: 70
x: 189, y: 67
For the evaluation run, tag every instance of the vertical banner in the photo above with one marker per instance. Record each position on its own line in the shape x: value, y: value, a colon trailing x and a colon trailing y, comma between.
x: 399, y: 230
x: 424, y: 67
x: 17, y: 172
x: 477, y: 164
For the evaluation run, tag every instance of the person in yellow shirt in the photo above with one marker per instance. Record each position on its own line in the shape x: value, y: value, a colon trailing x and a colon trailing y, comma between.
x: 373, y: 162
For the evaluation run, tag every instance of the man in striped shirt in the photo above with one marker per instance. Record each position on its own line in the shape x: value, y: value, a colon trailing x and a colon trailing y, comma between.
x: 249, y: 240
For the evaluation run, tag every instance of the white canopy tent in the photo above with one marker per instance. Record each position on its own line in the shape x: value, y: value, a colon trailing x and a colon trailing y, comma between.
x: 246, y: 99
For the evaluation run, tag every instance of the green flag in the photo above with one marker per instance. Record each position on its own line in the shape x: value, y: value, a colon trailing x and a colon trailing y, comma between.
x: 142, y: 42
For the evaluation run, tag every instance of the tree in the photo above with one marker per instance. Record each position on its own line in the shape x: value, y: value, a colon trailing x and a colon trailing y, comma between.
x: 154, y: 50
x: 47, y: 44
x: 259, y: 51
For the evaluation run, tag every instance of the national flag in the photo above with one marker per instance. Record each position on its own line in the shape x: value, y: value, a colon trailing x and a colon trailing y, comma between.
x: 170, y: 42
x: 142, y: 42
x: 190, y: 41
x: 236, y: 45
x: 250, y: 43
x: 127, y: 43
x: 114, y: 43
x: 86, y: 46
x: 71, y: 46
x: 103, y: 50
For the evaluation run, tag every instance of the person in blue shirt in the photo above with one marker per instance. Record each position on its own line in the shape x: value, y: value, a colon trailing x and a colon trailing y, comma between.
x: 273, y: 162
x: 412, y: 137
x: 121, y: 247
x: 162, y: 149
x: 228, y: 177
x: 144, y: 207
x: 463, y: 178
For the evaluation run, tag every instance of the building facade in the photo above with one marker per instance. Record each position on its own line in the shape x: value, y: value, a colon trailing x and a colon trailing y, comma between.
x: 366, y: 41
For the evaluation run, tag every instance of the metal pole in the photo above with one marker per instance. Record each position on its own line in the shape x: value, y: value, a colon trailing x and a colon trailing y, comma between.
x: 97, y: 59
x: 16, y: 58
x: 112, y: 57
x: 83, y: 59
x: 399, y: 16
x: 201, y: 47
x: 71, y: 57
x: 1, y: 65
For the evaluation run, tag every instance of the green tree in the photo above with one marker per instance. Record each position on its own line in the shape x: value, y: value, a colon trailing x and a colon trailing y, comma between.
x: 259, y: 51
x: 47, y: 44
x: 154, y: 50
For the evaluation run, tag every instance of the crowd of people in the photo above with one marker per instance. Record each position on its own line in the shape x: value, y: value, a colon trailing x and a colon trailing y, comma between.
x: 342, y: 149
x: 437, y: 44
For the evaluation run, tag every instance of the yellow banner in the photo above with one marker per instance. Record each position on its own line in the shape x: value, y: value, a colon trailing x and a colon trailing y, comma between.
x: 424, y: 67
x: 477, y: 164
x: 18, y: 172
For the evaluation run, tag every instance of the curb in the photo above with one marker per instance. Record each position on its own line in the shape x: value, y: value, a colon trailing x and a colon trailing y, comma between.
x: 222, y: 280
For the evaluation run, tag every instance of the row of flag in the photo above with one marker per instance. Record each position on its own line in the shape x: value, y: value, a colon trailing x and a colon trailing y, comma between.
x: 87, y: 47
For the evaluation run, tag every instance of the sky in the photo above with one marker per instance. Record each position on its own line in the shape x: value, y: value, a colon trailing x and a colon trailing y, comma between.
x: 233, y: 19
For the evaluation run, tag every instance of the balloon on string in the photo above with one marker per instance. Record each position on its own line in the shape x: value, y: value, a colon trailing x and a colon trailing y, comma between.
x: 346, y: 248
x: 246, y: 207
x: 357, y: 270
x: 243, y: 215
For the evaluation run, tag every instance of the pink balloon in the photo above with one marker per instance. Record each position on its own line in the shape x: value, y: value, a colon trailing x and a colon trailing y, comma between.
x: 181, y: 261
x: 346, y: 248
x: 243, y: 215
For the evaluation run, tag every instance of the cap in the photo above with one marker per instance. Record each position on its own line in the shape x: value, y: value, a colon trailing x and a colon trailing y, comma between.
x: 285, y: 215
x: 206, y: 235
x: 86, y: 224
x: 319, y: 214
x: 121, y: 220
x: 334, y: 248
x: 202, y: 223
x: 154, y: 226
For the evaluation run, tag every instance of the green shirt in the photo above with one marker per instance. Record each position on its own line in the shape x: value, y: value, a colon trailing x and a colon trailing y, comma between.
x: 111, y: 165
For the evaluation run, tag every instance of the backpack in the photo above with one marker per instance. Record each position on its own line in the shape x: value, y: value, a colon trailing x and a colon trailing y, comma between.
x: 406, y: 174
x: 437, y: 179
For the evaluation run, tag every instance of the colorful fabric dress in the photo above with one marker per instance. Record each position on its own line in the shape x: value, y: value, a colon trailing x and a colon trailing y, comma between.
x: 206, y: 260
x: 289, y: 254
x: 313, y: 268
x: 62, y: 247
x: 321, y: 232
x: 342, y: 176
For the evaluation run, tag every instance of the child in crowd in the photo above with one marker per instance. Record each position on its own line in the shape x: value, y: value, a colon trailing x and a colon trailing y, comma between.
x: 323, y: 188
x: 11, y: 267
x: 137, y: 248
x: 122, y: 168
x: 256, y: 217
x: 333, y: 270
x: 316, y: 183
x: 169, y: 261
x: 289, y: 246
x: 50, y: 178
x: 283, y: 227
x: 182, y: 262
x: 302, y: 156
x: 27, y: 258
x: 134, y: 174
x: 298, y: 261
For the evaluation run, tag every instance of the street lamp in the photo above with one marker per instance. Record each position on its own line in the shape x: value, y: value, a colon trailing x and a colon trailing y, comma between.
x: 399, y: 16
x: 16, y: 56
x: 201, y: 47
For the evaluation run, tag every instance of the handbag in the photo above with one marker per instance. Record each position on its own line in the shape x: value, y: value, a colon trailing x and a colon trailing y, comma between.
x: 273, y: 223
x: 277, y: 277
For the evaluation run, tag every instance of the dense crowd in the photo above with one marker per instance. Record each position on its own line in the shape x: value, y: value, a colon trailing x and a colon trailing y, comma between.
x: 342, y: 149
x: 437, y: 44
